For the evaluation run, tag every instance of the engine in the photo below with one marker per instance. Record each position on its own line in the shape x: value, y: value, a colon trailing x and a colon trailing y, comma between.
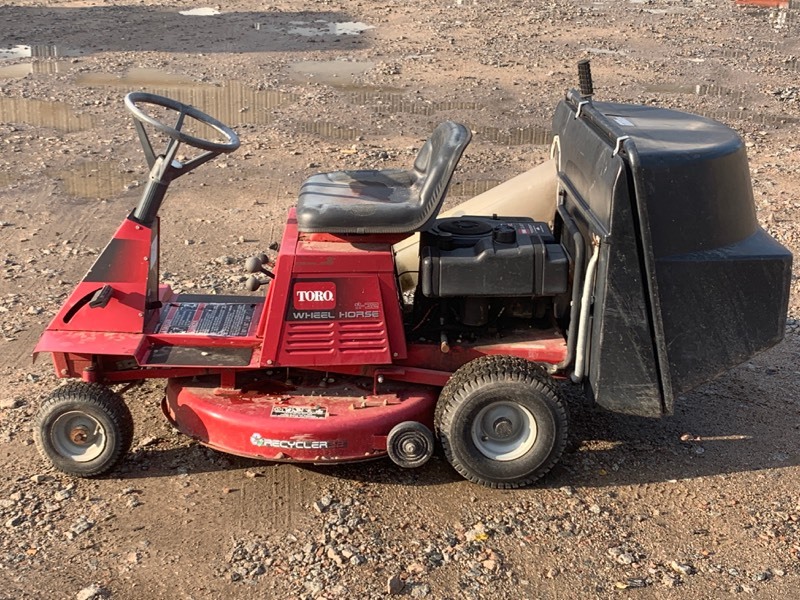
x: 481, y: 269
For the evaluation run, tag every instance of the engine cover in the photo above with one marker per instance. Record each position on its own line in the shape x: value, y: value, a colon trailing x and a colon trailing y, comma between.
x: 491, y: 257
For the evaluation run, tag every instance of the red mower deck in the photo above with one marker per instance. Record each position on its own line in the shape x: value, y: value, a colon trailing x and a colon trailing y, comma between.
x: 330, y: 422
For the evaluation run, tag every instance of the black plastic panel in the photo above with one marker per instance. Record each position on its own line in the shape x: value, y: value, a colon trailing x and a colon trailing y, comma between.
x: 688, y: 284
x: 504, y: 257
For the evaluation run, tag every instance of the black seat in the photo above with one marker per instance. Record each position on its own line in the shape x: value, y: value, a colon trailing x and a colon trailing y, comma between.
x: 388, y: 201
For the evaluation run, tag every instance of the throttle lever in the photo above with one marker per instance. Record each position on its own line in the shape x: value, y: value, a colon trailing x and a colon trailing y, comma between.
x: 254, y: 264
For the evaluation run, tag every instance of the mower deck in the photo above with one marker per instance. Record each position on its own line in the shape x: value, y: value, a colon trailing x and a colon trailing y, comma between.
x: 319, y: 420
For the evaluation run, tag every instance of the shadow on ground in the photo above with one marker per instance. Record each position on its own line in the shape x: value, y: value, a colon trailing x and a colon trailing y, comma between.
x: 730, y: 426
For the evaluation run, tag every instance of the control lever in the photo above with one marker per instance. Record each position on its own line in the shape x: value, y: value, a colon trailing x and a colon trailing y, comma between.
x: 255, y: 264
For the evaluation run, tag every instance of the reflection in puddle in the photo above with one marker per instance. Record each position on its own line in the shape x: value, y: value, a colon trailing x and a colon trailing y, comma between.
x: 746, y: 115
x: 777, y: 12
x: 472, y: 188
x: 702, y: 89
x: 96, y: 180
x: 325, y: 28
x: 397, y: 103
x: 135, y: 77
x: 232, y: 103
x: 7, y: 179
x: 21, y: 70
x: 34, y: 51
x: 329, y: 130
x: 605, y: 51
x: 39, y: 113
x: 200, y: 12
x: 331, y: 72
x: 537, y: 136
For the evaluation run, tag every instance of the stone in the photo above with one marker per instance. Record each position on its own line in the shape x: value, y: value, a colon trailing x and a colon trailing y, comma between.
x: 92, y: 592
x: 420, y: 591
x: 394, y: 585
x: 681, y: 568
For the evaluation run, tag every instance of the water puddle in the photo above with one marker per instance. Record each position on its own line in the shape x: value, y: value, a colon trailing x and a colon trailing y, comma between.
x: 36, y: 51
x: 9, y: 179
x: 700, y: 89
x: 537, y: 136
x: 317, y: 28
x: 471, y: 188
x: 24, y: 69
x: 746, y: 115
x: 96, y: 180
x: 777, y: 12
x: 140, y: 77
x: 605, y: 51
x: 232, y: 103
x: 330, y: 72
x: 382, y: 102
x: 329, y: 130
x: 38, y: 113
x: 199, y: 12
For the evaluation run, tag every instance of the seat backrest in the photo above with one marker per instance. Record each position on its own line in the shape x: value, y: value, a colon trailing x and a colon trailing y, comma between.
x: 434, y: 167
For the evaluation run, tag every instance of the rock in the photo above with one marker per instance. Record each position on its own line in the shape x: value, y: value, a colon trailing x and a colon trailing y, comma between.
x: 92, y: 592
x: 62, y: 495
x: 489, y: 565
x: 626, y: 558
x: 14, y: 521
x: 10, y: 403
x: 147, y: 441
x: 394, y: 585
x: 335, y: 556
x: 669, y: 581
x: 420, y: 590
x: 681, y: 568
x: 81, y: 525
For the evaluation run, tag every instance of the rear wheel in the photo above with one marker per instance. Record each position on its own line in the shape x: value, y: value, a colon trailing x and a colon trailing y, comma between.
x: 84, y: 429
x: 501, y: 421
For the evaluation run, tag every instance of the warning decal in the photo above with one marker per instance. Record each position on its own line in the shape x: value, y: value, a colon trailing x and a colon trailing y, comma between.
x: 207, y: 318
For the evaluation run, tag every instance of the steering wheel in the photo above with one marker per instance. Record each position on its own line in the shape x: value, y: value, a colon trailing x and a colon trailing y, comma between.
x: 134, y: 99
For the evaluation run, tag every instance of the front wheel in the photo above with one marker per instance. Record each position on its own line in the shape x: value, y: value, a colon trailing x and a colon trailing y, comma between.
x: 502, y: 422
x: 84, y: 429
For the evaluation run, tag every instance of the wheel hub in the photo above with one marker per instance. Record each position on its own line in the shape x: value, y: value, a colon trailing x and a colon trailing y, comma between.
x: 503, y: 428
x: 79, y: 435
x: 411, y: 447
x: 504, y: 431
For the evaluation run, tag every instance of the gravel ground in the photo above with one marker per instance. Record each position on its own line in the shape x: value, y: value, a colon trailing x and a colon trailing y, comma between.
x: 701, y: 504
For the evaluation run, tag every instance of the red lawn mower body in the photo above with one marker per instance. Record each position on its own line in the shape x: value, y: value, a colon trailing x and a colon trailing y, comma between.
x: 333, y: 310
x: 334, y: 363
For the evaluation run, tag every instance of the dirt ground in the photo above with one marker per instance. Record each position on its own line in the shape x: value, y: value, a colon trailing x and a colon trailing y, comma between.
x: 701, y: 504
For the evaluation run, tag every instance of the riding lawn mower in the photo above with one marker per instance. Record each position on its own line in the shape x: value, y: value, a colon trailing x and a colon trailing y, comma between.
x: 631, y: 263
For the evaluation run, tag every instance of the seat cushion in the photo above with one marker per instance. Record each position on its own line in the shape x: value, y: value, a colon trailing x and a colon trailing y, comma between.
x: 387, y: 201
x: 357, y: 201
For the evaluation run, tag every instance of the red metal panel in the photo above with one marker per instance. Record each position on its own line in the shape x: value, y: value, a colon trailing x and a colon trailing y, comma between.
x: 392, y: 303
x: 89, y: 342
x: 124, y: 264
x: 271, y: 324
x: 342, y: 257
x: 345, y: 326
x: 333, y: 302
x: 539, y: 346
x: 324, y: 425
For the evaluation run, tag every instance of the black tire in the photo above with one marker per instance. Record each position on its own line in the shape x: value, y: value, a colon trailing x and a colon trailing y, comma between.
x: 525, y: 407
x: 84, y: 429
